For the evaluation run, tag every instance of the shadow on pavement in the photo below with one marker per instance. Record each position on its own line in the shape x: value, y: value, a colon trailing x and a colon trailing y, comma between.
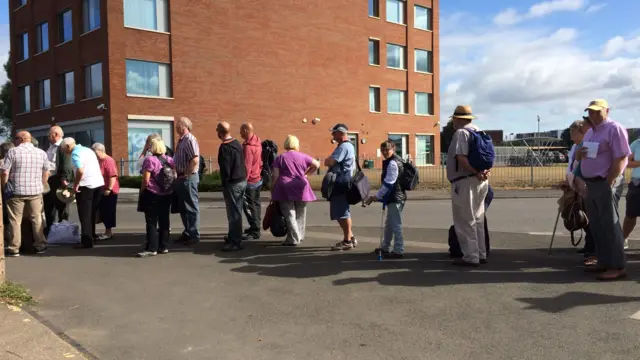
x: 574, y: 299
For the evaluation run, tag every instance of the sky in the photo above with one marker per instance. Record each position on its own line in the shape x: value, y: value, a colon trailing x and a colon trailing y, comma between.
x: 515, y: 60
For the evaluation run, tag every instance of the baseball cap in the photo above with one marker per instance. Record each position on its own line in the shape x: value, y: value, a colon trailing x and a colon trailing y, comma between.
x: 340, y: 128
x: 597, y: 105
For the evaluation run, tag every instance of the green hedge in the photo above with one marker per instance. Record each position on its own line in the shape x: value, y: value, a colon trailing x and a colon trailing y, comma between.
x: 210, y: 182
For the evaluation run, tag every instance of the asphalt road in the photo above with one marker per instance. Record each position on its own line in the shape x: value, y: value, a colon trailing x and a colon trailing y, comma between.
x: 269, y: 302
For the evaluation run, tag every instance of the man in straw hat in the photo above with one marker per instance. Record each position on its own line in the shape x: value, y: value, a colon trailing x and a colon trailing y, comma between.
x: 469, y: 187
x: 603, y: 160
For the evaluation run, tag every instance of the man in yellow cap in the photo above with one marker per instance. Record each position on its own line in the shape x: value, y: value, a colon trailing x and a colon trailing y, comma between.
x: 603, y: 159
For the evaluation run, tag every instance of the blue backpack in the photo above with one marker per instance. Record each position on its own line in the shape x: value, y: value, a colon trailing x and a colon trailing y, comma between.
x: 481, y: 152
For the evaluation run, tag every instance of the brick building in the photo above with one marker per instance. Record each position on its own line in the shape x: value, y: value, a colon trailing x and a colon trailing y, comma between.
x: 115, y: 71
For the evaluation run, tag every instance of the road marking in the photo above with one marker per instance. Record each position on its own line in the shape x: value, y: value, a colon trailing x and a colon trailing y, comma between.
x: 635, y: 316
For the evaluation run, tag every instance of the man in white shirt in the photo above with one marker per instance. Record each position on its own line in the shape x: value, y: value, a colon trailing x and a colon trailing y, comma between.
x: 87, y: 185
x: 61, y: 175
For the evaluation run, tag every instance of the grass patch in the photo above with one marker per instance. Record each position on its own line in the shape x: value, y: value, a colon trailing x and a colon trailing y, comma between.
x: 15, y: 294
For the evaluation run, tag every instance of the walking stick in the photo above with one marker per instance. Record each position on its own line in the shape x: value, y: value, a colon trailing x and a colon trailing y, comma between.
x: 379, y: 251
x: 555, y: 227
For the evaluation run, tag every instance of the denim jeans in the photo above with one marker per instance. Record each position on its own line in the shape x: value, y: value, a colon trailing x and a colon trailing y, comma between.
x: 234, y: 200
x: 187, y: 191
x: 393, y: 228
x: 252, y: 207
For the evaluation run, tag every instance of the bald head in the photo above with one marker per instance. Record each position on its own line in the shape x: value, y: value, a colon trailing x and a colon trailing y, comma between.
x: 246, y: 131
x: 223, y: 129
x: 55, y: 134
x: 22, y: 137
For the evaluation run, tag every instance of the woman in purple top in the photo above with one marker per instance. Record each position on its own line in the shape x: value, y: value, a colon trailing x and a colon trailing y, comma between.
x: 155, y: 201
x: 291, y: 188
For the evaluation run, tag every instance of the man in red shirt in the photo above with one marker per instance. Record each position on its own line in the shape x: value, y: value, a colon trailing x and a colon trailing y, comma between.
x: 252, y: 148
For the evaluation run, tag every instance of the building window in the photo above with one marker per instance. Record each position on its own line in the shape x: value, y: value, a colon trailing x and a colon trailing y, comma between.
x: 148, y: 79
x: 353, y: 139
x: 374, y: 8
x: 147, y: 14
x: 401, y: 141
x: 65, y: 27
x: 396, y: 101
x: 424, y: 61
x: 374, y: 52
x: 93, y: 81
x: 67, y: 94
x: 25, y: 99
x: 423, y: 104
x: 138, y: 131
x: 395, y: 11
x: 44, y: 94
x: 396, y: 56
x: 23, y: 46
x: 374, y: 99
x: 424, y: 150
x: 20, y: 3
x: 422, y: 18
x: 90, y: 15
x: 42, y: 38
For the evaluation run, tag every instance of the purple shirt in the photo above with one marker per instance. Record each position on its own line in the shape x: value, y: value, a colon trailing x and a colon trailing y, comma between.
x: 613, y: 144
x: 292, y: 184
x: 154, y: 166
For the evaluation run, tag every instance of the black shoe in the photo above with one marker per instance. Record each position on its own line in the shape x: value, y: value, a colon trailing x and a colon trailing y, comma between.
x: 82, y: 246
x: 191, y: 242
x: 393, y: 255
x: 483, y: 261
x: 232, y: 247
x: 42, y: 251
x: 582, y: 251
x: 182, y: 239
x: 384, y: 252
x: 460, y: 262
x: 253, y: 235
x: 244, y: 237
x: 9, y: 253
x: 288, y: 244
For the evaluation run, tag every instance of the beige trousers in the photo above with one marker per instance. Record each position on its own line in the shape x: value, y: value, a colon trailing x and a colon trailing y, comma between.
x: 29, y: 207
x: 467, y: 204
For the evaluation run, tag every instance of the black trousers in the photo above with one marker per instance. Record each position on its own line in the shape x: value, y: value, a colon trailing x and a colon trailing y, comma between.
x: 252, y: 208
x: 54, y: 208
x: 88, y: 201
x: 157, y: 217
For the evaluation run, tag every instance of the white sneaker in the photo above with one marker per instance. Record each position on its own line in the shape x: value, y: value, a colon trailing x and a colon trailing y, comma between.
x: 626, y: 244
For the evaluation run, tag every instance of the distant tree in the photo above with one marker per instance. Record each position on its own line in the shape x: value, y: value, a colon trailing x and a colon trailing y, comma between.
x: 634, y: 135
x: 6, y: 107
x: 446, y: 135
x: 566, y: 138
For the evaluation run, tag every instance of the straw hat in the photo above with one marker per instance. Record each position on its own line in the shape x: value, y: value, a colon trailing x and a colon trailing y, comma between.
x: 66, y: 196
x: 463, y: 112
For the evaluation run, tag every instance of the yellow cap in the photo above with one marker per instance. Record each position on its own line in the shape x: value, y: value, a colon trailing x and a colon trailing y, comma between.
x: 597, y: 105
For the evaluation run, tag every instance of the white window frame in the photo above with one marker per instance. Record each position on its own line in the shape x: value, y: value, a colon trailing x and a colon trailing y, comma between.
x: 86, y: 18
x: 88, y: 82
x: 42, y: 85
x: 404, y: 110
x: 403, y: 21
x: 354, y: 138
x: 150, y: 123
x: 162, y: 17
x: 403, y: 56
x: 40, y: 45
x: 62, y: 85
x: 25, y: 106
x: 376, y: 43
x: 429, y: 61
x: 419, y: 151
x: 165, y: 89
x: 429, y: 18
x: 429, y: 103
x: 376, y: 91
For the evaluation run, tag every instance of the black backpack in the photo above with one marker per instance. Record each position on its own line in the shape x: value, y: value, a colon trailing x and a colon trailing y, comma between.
x: 410, y: 178
x: 269, y: 154
x: 166, y: 177
x: 359, y: 186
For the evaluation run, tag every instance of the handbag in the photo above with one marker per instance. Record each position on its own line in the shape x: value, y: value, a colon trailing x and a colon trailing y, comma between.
x: 274, y: 220
x: 359, y: 187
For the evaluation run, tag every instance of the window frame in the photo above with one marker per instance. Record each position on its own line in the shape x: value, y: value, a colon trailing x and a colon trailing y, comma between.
x: 418, y: 152
x: 429, y: 61
x: 161, y: 12
x: 376, y: 44
x: 429, y: 17
x: 21, y: 4
x: 376, y: 92
x: 88, y: 81
x: 405, y: 102
x: 24, y: 100
x: 61, y: 27
x: 168, y: 75
x: 403, y: 60
x: 374, y: 9
x: 23, y: 46
x: 62, y: 85
x: 39, y: 43
x: 41, y: 94
x: 429, y: 103
x: 404, y: 12
x: 404, y: 143
x: 86, y: 19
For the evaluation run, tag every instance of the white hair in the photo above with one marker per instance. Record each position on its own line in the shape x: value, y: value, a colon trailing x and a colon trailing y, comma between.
x: 69, y: 141
x: 58, y: 130
x: 186, y: 122
x: 99, y: 147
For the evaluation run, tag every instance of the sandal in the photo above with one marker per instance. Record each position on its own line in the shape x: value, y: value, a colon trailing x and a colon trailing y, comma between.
x: 590, y: 261
x: 612, y: 275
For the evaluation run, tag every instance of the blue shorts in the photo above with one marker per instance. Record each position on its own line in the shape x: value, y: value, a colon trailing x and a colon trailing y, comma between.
x: 339, y: 207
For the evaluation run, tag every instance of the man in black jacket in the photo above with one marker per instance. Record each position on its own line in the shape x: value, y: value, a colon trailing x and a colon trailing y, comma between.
x: 234, y: 182
x: 61, y: 172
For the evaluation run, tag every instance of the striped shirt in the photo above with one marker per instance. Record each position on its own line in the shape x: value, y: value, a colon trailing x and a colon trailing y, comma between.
x: 186, y: 150
x: 25, y: 165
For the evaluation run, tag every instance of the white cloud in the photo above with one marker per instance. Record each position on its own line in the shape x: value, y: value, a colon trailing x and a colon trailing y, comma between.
x: 511, y: 16
x: 595, y: 8
x: 510, y: 75
x: 618, y: 45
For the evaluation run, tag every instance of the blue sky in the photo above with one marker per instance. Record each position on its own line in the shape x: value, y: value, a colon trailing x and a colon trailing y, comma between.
x: 513, y: 60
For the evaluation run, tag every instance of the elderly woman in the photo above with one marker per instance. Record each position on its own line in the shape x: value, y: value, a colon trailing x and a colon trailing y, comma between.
x: 155, y: 201
x: 109, y: 200
x: 577, y: 131
x: 291, y: 188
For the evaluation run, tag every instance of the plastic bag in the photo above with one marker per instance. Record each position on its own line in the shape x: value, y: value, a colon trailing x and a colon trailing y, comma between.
x: 64, y: 232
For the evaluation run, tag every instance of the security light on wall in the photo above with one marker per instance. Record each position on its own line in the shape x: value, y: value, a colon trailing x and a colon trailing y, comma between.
x: 315, y: 121
x: 101, y: 107
x: 304, y: 120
